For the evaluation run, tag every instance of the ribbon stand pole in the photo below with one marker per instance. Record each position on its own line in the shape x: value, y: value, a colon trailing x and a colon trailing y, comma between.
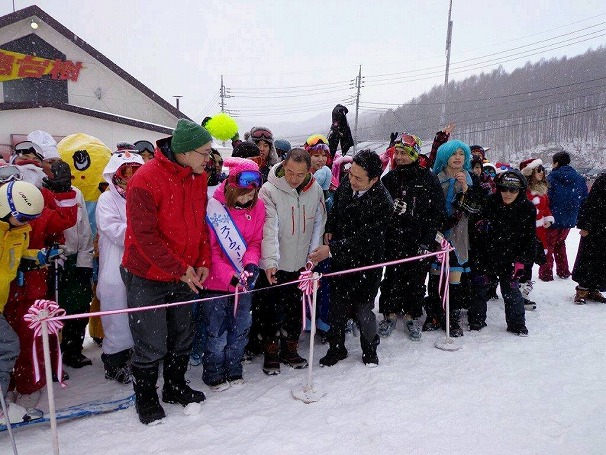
x: 308, y: 394
x: 49, y: 386
x: 448, y: 344
x: 8, y: 421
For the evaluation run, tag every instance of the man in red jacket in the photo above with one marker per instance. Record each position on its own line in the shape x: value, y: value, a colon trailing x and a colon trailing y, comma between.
x: 166, y: 259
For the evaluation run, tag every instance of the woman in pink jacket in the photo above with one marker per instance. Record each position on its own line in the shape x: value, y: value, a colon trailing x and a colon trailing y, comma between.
x: 235, y: 215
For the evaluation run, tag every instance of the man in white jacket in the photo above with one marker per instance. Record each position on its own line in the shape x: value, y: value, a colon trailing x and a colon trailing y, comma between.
x: 294, y: 224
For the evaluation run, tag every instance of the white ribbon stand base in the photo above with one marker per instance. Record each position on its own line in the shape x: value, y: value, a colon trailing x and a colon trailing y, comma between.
x: 307, y: 394
x: 448, y: 344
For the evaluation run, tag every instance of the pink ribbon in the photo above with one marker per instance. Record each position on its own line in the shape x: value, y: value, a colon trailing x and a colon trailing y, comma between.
x: 40, y: 311
x: 443, y: 258
x: 307, y: 288
x: 244, y: 275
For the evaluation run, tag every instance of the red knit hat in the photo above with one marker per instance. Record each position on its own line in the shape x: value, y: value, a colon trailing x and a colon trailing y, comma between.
x: 527, y: 166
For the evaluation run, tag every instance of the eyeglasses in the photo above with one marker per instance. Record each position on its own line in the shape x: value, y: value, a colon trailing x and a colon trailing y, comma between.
x: 247, y: 179
x: 540, y: 169
x: 28, y: 147
x: 20, y: 217
x: 144, y: 146
x: 261, y: 133
x: 9, y: 173
x: 508, y: 189
x: 205, y: 155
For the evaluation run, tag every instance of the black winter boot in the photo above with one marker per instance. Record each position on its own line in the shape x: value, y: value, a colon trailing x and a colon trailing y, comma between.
x: 289, y: 354
x: 271, y: 363
x: 433, y: 305
x: 336, y: 350
x: 146, y: 398
x: 175, y: 388
x: 455, y: 324
x: 369, y: 351
x: 117, y: 367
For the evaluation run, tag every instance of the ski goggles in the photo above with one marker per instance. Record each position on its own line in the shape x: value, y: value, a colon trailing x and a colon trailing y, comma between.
x: 315, y: 139
x: 508, y: 189
x: 27, y: 148
x: 411, y: 141
x: 20, y: 217
x: 9, y: 173
x: 247, y: 179
x: 144, y: 146
x: 261, y: 134
x: 319, y: 149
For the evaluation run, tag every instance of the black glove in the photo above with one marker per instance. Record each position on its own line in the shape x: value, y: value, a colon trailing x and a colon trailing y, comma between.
x: 251, y: 281
x: 62, y: 178
x: 392, y: 138
x: 399, y: 207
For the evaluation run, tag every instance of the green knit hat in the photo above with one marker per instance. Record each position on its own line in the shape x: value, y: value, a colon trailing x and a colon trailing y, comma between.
x: 188, y: 136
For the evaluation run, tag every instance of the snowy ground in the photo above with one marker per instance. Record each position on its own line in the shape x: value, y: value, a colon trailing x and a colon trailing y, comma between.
x: 499, y: 394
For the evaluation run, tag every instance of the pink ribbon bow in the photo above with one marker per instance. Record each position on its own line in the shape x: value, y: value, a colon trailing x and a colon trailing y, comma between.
x: 306, y: 286
x: 42, y: 310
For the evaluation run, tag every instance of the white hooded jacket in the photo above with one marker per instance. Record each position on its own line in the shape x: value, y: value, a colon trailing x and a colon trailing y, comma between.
x: 294, y: 222
x: 111, y: 226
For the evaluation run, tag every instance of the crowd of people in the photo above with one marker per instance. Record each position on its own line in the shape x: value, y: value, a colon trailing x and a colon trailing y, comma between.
x: 148, y: 225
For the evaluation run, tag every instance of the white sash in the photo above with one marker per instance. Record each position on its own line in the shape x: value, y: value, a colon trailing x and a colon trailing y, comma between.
x: 230, y: 239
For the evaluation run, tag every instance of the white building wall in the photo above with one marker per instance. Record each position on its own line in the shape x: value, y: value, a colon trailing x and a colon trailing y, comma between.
x: 62, y: 123
x: 117, y: 96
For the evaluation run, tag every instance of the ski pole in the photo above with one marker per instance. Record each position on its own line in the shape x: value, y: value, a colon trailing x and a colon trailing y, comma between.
x: 8, y: 421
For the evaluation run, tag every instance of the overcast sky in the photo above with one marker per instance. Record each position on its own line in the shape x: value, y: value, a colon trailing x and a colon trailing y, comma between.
x: 289, y: 60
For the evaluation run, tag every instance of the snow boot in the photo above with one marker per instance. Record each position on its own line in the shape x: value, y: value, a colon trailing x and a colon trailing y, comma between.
x: 595, y: 296
x: 289, y: 355
x: 455, y: 324
x: 476, y: 325
x: 336, y: 350
x: 76, y: 360
x: 271, y: 362
x: 369, y: 351
x: 146, y: 398
x: 117, y: 366
x: 387, y: 325
x: 580, y: 298
x: 19, y: 414
x: 529, y: 305
x: 518, y: 329
x: 175, y: 388
x: 414, y: 329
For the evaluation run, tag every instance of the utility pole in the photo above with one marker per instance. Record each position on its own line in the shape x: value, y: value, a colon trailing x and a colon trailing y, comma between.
x: 448, y: 42
x: 358, y: 85
x: 223, y: 95
x: 176, y: 97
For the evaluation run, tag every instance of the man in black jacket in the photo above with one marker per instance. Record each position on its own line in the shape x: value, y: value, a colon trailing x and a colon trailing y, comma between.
x: 418, y: 214
x: 503, y: 241
x: 355, y: 237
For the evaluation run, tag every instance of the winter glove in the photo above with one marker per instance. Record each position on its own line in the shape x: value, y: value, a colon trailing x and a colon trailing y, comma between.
x: 399, y: 207
x: 62, y: 178
x: 518, y: 271
x: 392, y: 138
x: 47, y: 255
x: 252, y: 276
x: 483, y: 226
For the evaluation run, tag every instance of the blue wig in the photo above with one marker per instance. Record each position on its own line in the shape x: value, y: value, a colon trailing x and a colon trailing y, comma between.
x: 446, y: 150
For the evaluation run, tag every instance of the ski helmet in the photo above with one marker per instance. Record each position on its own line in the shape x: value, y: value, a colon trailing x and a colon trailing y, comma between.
x: 22, y: 200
